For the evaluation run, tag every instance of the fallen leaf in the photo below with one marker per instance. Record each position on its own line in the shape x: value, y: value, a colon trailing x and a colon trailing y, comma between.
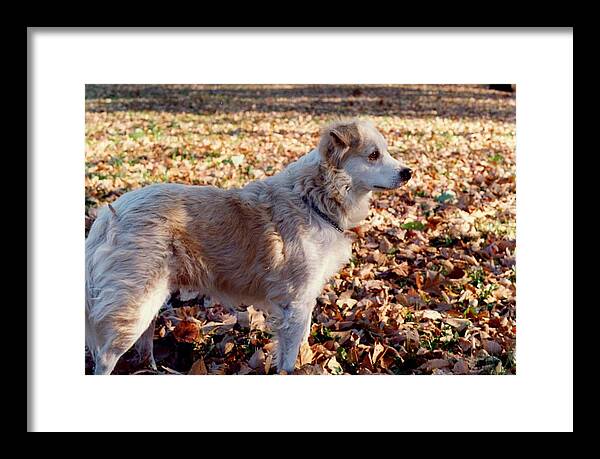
x: 456, y: 273
x: 311, y: 370
x: 244, y: 369
x: 171, y: 371
x: 350, y: 302
x: 268, y: 362
x: 460, y: 367
x: 433, y: 282
x: 238, y: 160
x: 435, y: 363
x: 198, y: 368
x: 401, y: 270
x: 385, y: 245
x: 465, y: 344
x: 306, y: 354
x: 257, y: 360
x: 334, y: 367
x: 492, y: 347
x: 378, y: 350
x: 459, y: 324
x: 228, y: 347
x: 216, y: 369
x: 430, y: 314
x: 186, y: 332
x: 220, y: 327
x: 257, y: 319
x: 419, y: 280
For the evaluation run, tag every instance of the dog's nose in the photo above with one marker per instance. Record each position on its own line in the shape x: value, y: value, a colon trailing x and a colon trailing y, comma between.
x: 405, y: 174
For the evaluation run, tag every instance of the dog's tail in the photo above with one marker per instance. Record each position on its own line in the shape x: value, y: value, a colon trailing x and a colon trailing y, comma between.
x: 100, y: 236
x: 90, y: 335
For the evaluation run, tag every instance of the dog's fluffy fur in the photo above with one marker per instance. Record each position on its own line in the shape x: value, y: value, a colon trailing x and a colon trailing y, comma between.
x: 261, y: 244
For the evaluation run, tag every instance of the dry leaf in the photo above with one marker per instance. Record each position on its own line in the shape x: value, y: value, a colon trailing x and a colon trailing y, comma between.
x: 257, y: 360
x: 198, y: 368
x: 378, y: 351
x: 401, y: 270
x: 459, y: 324
x: 244, y: 369
x: 216, y: 369
x: 385, y: 245
x: 435, y: 363
x: 311, y: 370
x: 456, y: 273
x: 334, y: 367
x: 228, y: 347
x: 430, y: 314
x: 220, y: 327
x: 257, y: 319
x: 433, y: 282
x: 186, y: 332
x: 306, y: 354
x: 268, y: 363
x: 465, y: 344
x: 350, y: 302
x: 492, y: 347
x: 460, y: 367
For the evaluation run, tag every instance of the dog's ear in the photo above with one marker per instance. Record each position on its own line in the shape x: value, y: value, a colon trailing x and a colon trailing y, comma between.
x: 340, y: 136
x: 338, y: 140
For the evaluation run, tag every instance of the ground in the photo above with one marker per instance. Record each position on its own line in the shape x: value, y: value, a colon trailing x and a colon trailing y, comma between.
x: 431, y: 284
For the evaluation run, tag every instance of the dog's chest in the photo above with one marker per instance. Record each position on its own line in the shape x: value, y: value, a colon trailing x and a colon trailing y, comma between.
x: 326, y: 251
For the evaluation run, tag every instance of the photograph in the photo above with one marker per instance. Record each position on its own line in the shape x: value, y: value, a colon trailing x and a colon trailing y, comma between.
x: 300, y: 229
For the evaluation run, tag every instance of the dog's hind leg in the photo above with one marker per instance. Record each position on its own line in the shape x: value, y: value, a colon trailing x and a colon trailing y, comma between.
x: 120, y: 329
x: 292, y: 327
x: 145, y: 346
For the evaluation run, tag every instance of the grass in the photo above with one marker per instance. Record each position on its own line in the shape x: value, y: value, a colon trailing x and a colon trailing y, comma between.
x: 415, y: 226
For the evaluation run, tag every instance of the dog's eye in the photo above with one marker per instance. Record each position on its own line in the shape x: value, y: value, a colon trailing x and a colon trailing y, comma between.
x: 374, y: 155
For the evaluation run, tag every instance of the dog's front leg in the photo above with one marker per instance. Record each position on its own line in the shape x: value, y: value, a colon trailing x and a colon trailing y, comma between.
x: 292, y: 326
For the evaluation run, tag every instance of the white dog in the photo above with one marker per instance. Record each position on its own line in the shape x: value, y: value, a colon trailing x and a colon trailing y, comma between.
x: 273, y: 244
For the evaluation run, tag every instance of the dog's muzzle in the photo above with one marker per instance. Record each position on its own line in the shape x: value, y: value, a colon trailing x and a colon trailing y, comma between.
x: 404, y: 176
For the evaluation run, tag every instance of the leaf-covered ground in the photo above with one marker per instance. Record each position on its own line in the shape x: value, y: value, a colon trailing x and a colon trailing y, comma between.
x: 431, y: 284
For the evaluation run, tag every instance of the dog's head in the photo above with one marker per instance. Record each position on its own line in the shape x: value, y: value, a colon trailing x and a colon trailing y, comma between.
x: 358, y: 148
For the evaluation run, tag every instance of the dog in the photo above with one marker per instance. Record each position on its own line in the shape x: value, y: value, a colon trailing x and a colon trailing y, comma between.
x: 273, y: 244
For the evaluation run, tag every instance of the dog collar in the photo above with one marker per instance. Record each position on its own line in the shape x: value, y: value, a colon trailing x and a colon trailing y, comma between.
x: 321, y: 214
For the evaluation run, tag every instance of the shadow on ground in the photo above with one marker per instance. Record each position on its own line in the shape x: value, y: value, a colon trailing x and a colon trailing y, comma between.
x: 411, y: 101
